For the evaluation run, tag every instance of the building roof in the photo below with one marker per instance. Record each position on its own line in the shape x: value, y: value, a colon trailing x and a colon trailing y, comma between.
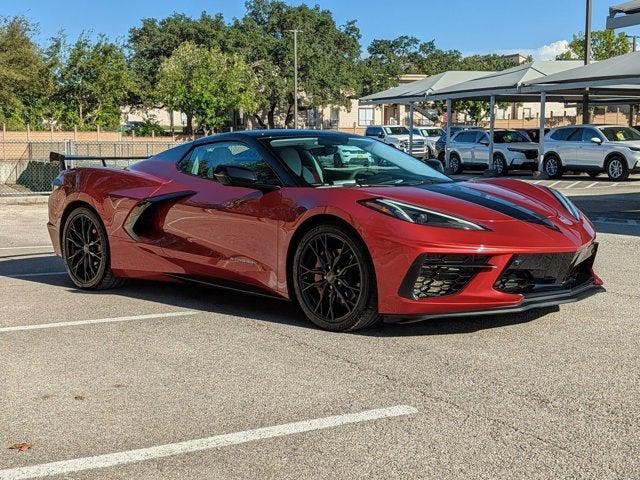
x: 624, y: 14
x: 416, y: 91
x: 505, y: 82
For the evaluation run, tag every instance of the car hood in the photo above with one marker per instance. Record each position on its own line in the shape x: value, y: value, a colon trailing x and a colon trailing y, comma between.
x: 634, y: 143
x: 484, y: 201
x: 405, y: 137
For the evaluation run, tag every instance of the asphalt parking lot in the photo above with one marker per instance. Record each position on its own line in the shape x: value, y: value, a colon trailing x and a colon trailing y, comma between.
x: 167, y: 381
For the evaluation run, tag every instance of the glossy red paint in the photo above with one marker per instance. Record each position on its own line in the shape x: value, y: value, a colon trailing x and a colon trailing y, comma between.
x: 245, y: 235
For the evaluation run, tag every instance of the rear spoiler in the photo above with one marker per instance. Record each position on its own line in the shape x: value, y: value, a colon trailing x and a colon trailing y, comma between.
x: 62, y: 159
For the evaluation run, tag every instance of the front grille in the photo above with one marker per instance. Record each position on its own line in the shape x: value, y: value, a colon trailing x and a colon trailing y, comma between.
x: 436, y: 275
x: 531, y: 154
x: 547, y: 272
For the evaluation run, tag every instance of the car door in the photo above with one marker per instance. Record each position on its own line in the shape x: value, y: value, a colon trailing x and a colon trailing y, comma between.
x: 480, y: 149
x: 568, y: 149
x: 462, y: 143
x: 222, y: 231
x: 588, y: 153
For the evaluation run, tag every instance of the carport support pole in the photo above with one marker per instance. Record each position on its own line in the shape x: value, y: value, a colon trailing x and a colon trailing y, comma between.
x: 492, y: 127
x: 543, y: 102
x: 410, y: 127
x: 448, y: 139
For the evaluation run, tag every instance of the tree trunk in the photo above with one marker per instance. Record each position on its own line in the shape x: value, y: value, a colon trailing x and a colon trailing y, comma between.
x: 289, y: 118
x: 271, y: 116
x: 258, y: 120
x: 189, y: 123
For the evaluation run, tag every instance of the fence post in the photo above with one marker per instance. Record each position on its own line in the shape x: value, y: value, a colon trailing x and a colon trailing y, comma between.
x: 4, y: 132
x: 28, y: 133
x: 75, y: 133
x: 153, y: 135
x: 98, y: 134
x: 51, y: 133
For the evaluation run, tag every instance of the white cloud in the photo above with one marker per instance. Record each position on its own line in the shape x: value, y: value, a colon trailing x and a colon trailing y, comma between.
x: 551, y: 51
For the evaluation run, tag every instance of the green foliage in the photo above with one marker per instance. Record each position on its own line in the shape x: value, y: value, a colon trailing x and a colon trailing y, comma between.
x: 93, y: 82
x: 206, y: 84
x: 327, y: 56
x: 604, y: 44
x: 25, y: 81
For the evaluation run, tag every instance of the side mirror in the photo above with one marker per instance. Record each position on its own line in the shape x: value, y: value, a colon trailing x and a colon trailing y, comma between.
x: 435, y: 164
x: 596, y: 140
x: 484, y: 142
x: 236, y: 176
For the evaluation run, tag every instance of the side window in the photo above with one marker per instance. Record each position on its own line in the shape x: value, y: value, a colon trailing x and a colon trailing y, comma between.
x: 588, y: 134
x: 576, y: 135
x: 373, y: 131
x: 482, y: 137
x: 563, y: 134
x: 204, y: 159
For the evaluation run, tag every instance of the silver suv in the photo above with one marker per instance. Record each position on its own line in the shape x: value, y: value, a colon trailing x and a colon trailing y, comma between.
x: 593, y: 149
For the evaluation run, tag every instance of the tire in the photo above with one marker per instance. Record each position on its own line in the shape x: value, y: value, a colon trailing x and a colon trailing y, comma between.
x: 617, y: 169
x: 594, y: 174
x: 553, y: 166
x: 85, y: 250
x: 455, y: 163
x: 334, y: 281
x: 500, y: 165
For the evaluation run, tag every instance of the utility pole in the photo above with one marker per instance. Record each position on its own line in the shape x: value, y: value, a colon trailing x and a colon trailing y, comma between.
x: 586, y: 118
x: 634, y: 40
x: 295, y: 76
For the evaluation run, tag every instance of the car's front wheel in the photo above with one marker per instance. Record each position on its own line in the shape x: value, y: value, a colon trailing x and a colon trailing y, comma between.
x: 455, y: 163
x: 85, y: 250
x: 499, y: 164
x: 553, y: 166
x: 333, y: 280
x: 617, y: 169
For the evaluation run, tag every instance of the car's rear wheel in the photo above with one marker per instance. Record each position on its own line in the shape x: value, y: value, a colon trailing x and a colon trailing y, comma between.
x: 333, y: 280
x: 85, y: 249
x: 499, y: 165
x: 617, y: 169
x: 455, y: 163
x: 553, y: 166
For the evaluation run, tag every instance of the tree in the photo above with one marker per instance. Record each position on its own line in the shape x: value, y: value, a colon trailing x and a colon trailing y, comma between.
x: 206, y: 84
x: 604, y: 44
x: 327, y: 56
x: 94, y: 81
x: 154, y: 41
x: 25, y: 79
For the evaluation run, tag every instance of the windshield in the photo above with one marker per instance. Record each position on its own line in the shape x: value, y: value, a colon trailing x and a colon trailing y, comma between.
x: 620, y: 134
x: 432, y: 132
x: 350, y: 161
x: 396, y: 130
x: 509, y: 136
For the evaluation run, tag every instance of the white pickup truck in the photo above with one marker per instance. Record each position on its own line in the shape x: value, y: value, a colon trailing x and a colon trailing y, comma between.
x: 398, y: 136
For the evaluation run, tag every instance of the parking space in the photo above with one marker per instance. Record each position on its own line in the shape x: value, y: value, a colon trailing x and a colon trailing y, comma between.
x: 169, y: 381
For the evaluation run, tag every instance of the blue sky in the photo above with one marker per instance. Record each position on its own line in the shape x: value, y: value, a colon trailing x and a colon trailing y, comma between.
x: 471, y: 26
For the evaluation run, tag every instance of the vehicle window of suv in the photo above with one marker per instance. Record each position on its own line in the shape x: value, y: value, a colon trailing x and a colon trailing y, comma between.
x: 620, y: 134
x: 204, y: 159
x: 396, y: 130
x: 509, y: 136
x: 562, y: 133
x: 373, y: 131
x: 589, y: 133
x: 575, y: 136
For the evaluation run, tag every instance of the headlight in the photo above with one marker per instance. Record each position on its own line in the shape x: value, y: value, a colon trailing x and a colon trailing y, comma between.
x: 422, y: 216
x: 566, y: 203
x: 404, y: 143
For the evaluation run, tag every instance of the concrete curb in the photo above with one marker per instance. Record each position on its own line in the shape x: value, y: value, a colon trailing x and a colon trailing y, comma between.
x: 24, y: 200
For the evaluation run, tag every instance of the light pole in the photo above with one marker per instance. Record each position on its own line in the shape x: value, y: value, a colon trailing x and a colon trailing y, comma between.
x: 586, y: 118
x: 295, y: 76
x: 634, y: 40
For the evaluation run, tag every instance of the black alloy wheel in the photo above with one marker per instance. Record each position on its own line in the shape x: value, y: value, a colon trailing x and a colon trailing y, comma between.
x: 499, y: 164
x: 86, y: 251
x: 334, y: 281
x: 455, y: 163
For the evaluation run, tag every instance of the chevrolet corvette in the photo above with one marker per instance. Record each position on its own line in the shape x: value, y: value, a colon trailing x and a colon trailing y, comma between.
x: 281, y: 213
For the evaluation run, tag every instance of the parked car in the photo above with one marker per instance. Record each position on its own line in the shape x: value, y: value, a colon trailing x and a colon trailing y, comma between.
x: 257, y: 212
x: 469, y: 150
x: 593, y: 149
x: 397, y: 136
x: 431, y: 136
x: 441, y: 142
x: 533, y: 133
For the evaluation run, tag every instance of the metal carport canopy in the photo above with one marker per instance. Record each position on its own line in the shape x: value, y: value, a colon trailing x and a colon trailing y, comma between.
x: 416, y: 91
x: 623, y: 15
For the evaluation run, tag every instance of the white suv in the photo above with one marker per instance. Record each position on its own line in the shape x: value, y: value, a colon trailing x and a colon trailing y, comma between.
x: 430, y: 136
x: 469, y: 149
x: 593, y: 149
x: 398, y: 137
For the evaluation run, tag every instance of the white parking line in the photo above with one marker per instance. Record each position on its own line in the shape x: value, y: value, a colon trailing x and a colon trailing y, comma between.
x: 554, y: 183
x: 161, y: 451
x: 537, y: 182
x: 129, y: 318
x: 573, y: 184
x: 27, y: 275
x: 592, y: 184
x: 25, y: 247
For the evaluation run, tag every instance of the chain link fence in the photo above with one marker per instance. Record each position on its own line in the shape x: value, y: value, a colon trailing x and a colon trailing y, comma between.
x: 25, y: 167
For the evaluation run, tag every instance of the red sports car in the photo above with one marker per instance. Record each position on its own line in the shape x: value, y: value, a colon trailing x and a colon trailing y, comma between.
x: 351, y: 229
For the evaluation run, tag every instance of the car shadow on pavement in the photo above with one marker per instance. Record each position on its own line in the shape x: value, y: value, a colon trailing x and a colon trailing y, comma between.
x: 223, y: 302
x: 612, y: 213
